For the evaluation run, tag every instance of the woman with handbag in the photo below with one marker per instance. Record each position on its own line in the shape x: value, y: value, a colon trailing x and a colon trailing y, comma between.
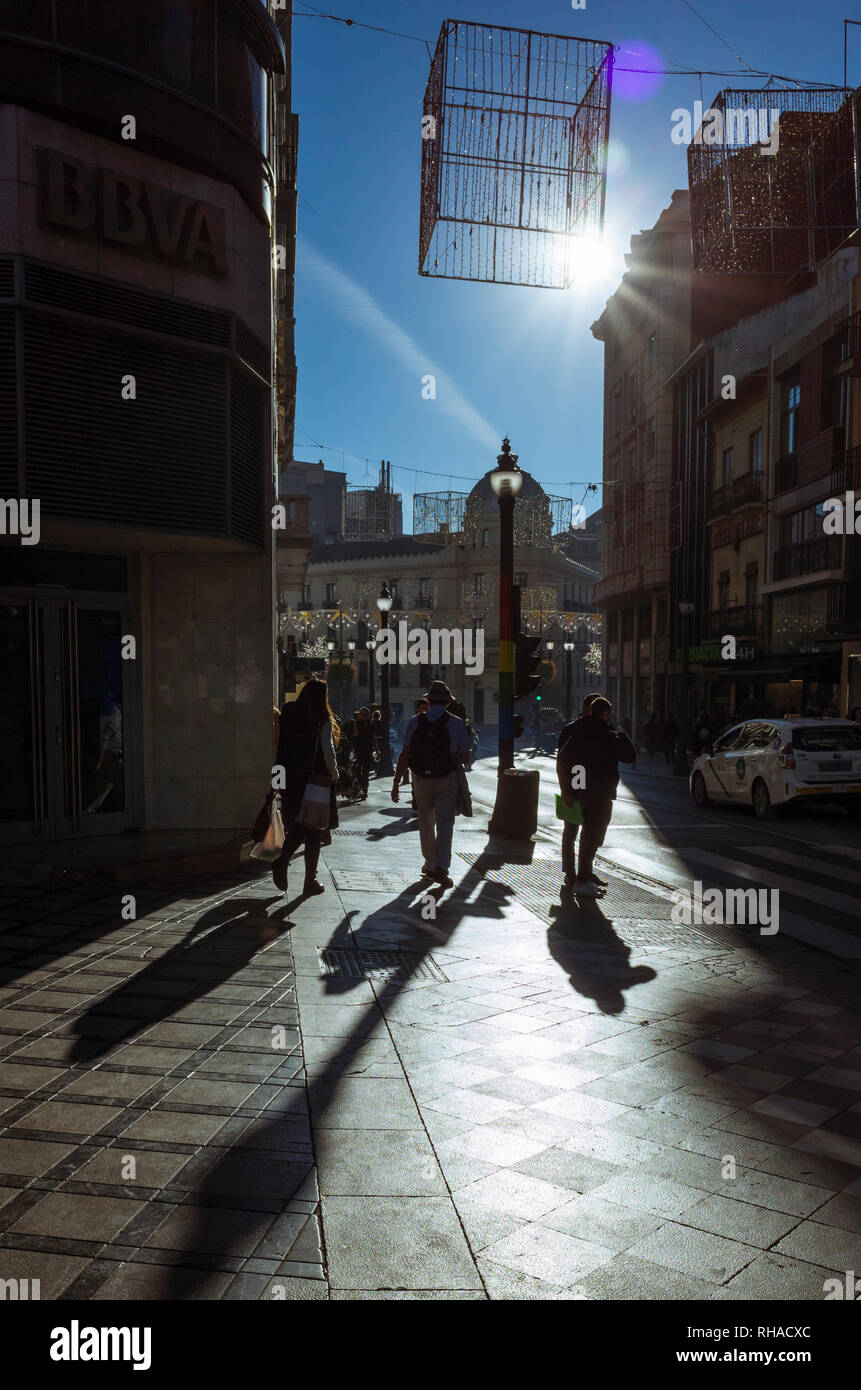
x: 308, y: 737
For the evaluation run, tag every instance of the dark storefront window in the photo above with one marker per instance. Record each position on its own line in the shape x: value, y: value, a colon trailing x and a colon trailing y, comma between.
x: 797, y: 619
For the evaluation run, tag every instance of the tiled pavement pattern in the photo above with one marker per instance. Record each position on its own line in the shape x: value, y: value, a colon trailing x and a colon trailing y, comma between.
x: 152, y: 1041
x: 558, y: 1119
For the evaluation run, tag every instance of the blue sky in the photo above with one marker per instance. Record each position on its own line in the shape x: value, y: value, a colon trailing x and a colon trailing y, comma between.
x: 508, y: 360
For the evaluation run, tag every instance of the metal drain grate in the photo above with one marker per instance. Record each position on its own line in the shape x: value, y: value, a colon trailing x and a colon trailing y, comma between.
x: 630, y: 911
x: 639, y: 931
x: 459, y: 830
x: 351, y: 964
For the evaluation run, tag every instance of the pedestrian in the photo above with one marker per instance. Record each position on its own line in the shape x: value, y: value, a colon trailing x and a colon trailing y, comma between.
x: 855, y: 714
x: 704, y: 735
x: 364, y: 748
x: 671, y: 734
x: 569, y: 831
x: 308, y: 738
x: 378, y: 732
x: 434, y: 743
x: 422, y: 707
x: 458, y: 708
x: 595, y: 750
x: 650, y: 737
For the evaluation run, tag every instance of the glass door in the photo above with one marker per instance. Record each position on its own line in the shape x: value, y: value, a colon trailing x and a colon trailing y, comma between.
x: 92, y: 795
x: 64, y: 703
x: 23, y: 800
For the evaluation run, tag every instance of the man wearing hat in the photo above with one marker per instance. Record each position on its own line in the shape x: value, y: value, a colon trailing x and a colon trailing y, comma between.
x: 434, y: 743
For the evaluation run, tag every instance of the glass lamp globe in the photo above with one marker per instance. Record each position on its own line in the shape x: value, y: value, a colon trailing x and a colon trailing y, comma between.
x: 506, y: 478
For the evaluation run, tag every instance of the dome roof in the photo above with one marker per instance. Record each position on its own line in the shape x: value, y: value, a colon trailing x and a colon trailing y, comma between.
x: 483, y: 496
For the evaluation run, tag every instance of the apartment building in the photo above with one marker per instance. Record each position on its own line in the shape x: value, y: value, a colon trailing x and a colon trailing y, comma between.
x: 645, y: 329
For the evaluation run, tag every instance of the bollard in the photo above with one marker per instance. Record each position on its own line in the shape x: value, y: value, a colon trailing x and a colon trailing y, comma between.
x: 515, y: 816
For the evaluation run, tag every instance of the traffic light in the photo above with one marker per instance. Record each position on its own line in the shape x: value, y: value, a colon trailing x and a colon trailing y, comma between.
x: 526, y: 658
x: 518, y: 726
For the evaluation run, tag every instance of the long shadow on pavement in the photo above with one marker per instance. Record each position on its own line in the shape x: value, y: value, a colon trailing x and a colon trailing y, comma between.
x: 240, y: 1170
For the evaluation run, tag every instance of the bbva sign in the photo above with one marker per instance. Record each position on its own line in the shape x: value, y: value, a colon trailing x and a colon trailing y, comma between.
x: 151, y: 221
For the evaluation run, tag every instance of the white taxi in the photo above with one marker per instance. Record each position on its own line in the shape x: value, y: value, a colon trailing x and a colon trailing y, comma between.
x: 768, y: 763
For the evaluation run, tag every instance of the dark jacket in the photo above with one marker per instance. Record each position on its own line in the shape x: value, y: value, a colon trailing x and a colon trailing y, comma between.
x: 590, y: 743
x: 300, y: 755
x: 364, y: 740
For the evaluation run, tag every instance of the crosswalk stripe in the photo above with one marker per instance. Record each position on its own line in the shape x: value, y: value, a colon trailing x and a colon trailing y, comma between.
x: 795, y: 887
x: 786, y: 856
x: 652, y: 868
x: 837, y: 943
x: 824, y: 938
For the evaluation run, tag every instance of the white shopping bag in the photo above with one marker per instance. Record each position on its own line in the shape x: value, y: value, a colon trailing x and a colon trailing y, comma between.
x: 269, y: 848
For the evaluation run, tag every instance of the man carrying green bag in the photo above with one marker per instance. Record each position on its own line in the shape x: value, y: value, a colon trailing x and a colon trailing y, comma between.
x: 587, y: 767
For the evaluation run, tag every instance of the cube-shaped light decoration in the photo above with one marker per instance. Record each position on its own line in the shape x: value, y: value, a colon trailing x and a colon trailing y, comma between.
x: 773, y: 181
x: 514, y: 154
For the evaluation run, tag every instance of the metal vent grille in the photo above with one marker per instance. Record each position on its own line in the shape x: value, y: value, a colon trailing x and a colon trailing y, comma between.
x: 7, y: 277
x: 348, y: 963
x: 134, y: 308
x: 8, y: 413
x: 153, y: 461
x: 247, y: 403
x: 252, y: 350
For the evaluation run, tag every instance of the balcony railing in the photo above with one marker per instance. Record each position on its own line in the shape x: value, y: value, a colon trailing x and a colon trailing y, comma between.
x: 744, y: 620
x: 787, y: 472
x: 824, y: 553
x: 846, y: 470
x: 747, y: 488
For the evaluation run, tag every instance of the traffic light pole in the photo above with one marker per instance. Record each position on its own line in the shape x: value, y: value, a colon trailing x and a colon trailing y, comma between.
x: 506, y: 632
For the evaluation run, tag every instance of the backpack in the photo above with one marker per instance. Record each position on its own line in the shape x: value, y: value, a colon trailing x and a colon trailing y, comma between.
x: 430, y: 748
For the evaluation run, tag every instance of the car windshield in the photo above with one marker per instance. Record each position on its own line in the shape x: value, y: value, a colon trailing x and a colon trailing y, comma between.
x: 728, y: 740
x: 833, y: 740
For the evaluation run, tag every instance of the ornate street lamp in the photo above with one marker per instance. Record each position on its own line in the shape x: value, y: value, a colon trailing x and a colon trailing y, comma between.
x: 371, y: 645
x: 568, y: 648
x: 506, y: 481
x: 384, y: 604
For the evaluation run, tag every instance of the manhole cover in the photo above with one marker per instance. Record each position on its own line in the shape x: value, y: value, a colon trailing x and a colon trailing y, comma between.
x: 352, y: 964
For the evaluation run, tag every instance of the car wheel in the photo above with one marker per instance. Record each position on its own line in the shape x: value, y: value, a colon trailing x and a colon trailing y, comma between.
x: 698, y: 790
x: 762, y: 807
x: 854, y: 807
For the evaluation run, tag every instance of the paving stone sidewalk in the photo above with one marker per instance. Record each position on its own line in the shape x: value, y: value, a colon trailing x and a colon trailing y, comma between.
x: 502, y: 1096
